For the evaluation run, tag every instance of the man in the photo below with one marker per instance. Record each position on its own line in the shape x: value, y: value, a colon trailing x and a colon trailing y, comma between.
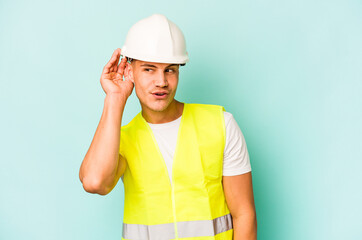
x: 185, y: 167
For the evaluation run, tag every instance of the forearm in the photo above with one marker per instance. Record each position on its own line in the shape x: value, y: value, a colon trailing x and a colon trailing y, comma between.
x: 100, y: 163
x: 245, y: 227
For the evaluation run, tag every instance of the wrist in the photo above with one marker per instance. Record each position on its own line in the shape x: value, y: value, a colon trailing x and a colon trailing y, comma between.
x: 117, y: 99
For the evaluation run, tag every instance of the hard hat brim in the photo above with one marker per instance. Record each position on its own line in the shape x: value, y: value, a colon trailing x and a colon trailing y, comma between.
x: 157, y: 59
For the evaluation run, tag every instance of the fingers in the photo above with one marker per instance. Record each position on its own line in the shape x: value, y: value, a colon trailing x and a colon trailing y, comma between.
x: 122, y: 66
x: 112, y: 61
x: 115, y: 65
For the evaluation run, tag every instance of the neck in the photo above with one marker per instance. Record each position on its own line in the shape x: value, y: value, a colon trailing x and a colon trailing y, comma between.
x: 172, y: 112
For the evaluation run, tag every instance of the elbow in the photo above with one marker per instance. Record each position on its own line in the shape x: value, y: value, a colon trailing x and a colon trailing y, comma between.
x: 94, y: 186
x: 245, y: 215
x: 245, y: 226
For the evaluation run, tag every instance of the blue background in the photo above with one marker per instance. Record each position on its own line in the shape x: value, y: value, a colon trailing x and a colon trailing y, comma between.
x: 289, y: 71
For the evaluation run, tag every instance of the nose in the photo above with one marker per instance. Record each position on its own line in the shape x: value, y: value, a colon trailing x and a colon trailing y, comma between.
x: 160, y: 80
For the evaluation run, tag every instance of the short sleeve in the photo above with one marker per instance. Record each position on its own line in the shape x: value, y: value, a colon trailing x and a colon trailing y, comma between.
x: 236, y: 156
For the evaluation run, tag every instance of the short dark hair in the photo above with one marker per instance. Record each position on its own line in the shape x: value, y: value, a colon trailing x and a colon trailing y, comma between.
x: 129, y: 59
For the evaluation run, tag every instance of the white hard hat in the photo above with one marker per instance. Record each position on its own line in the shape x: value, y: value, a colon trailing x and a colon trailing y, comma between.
x: 156, y: 39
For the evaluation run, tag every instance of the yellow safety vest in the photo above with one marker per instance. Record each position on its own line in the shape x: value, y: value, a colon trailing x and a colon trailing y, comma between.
x: 193, y: 205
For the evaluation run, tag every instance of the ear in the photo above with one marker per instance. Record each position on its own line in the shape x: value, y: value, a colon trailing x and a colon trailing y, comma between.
x: 128, y: 72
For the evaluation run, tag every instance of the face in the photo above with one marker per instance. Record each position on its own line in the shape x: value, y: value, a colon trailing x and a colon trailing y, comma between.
x: 155, y: 83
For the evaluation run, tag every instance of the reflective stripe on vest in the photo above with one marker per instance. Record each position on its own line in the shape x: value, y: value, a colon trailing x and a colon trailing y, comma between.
x: 202, y: 228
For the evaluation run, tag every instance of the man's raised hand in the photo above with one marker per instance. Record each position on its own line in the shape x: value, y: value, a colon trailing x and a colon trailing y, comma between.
x: 112, y: 76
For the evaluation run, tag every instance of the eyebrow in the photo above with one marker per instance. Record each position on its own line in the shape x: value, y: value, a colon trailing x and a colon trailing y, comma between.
x: 150, y: 65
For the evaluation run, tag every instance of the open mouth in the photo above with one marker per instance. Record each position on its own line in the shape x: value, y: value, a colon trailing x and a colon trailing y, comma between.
x: 160, y: 95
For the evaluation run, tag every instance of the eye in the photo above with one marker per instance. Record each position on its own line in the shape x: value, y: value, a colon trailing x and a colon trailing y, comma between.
x: 170, y: 70
x: 147, y: 69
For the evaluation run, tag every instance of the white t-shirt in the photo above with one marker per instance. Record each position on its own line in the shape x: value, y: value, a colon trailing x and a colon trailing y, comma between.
x: 236, y: 156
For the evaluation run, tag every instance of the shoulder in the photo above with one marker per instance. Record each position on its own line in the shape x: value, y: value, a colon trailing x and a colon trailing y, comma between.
x: 228, y: 117
x: 129, y: 126
x: 205, y: 107
x: 231, y: 125
x: 205, y: 114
